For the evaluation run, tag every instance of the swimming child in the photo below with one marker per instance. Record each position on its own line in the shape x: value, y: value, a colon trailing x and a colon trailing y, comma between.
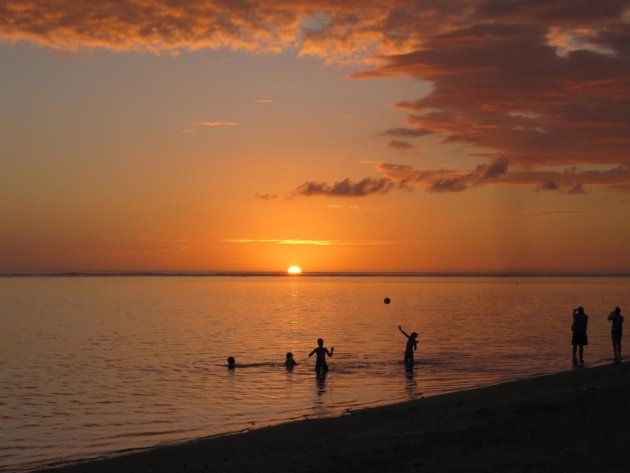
x: 412, y: 345
x: 290, y: 362
x: 231, y: 363
x: 321, y: 367
x: 616, y: 331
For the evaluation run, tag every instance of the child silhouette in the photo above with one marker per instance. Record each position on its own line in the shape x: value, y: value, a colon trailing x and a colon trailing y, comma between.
x: 412, y: 345
x: 321, y: 367
x: 290, y: 362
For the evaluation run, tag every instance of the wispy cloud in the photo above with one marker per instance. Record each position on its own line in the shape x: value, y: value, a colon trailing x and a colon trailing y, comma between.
x: 196, y: 126
x: 407, y: 132
x: 214, y: 123
x: 406, y: 177
x: 496, y: 171
x: 267, y: 196
x: 401, y: 145
x: 499, y: 171
x: 345, y: 188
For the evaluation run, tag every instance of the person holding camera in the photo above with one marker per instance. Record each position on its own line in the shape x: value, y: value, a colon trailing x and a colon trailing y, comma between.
x: 616, y: 330
x: 579, y: 339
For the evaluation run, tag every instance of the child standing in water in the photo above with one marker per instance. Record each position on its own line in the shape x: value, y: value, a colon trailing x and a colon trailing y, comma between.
x: 321, y: 367
x: 412, y: 345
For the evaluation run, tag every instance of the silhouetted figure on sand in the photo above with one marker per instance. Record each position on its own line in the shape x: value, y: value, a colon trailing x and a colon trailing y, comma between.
x: 231, y: 363
x: 321, y: 367
x: 579, y: 339
x: 290, y: 362
x: 616, y: 331
x: 412, y: 345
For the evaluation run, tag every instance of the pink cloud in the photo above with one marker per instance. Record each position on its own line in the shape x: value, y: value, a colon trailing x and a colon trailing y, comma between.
x: 328, y: 29
x: 503, y: 87
x: 543, y: 83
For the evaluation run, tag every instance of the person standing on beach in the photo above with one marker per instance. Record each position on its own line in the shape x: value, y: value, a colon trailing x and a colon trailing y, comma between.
x: 616, y: 330
x: 412, y: 345
x: 579, y: 339
x: 321, y: 367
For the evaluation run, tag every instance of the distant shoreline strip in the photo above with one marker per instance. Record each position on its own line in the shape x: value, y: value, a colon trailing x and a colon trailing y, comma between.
x: 77, y: 274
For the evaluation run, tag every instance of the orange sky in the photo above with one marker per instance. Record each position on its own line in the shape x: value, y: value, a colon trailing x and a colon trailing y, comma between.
x: 460, y: 135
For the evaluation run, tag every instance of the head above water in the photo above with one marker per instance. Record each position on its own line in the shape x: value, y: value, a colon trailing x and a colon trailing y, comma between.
x: 617, y: 310
x: 320, y: 342
x: 231, y: 361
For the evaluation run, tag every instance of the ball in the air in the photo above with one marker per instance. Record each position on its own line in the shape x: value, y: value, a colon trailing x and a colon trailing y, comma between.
x: 387, y: 300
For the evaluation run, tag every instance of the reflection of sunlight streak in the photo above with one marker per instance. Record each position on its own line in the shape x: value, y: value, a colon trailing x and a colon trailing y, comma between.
x: 317, y: 242
x: 281, y: 242
x: 353, y: 207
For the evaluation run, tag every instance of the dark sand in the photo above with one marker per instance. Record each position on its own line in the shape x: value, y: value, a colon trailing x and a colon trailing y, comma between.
x: 576, y: 421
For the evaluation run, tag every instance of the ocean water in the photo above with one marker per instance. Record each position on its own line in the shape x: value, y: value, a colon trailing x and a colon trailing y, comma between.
x: 96, y: 366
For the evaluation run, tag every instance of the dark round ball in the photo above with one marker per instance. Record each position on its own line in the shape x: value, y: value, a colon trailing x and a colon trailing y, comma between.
x: 387, y: 300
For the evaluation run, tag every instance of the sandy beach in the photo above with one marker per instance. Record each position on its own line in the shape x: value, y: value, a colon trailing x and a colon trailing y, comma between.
x: 572, y: 421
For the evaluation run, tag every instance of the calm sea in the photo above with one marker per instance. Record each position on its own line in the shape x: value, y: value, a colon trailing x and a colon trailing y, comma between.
x: 95, y: 366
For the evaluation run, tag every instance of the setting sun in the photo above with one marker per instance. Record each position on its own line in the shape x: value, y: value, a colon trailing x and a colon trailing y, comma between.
x: 294, y: 270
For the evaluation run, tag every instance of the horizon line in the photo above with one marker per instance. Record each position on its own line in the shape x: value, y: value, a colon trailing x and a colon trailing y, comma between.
x: 517, y: 273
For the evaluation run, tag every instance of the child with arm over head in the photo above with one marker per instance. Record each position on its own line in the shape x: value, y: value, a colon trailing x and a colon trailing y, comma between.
x: 412, y: 345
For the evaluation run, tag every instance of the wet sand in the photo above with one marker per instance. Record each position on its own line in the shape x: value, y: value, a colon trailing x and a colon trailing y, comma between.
x: 575, y: 421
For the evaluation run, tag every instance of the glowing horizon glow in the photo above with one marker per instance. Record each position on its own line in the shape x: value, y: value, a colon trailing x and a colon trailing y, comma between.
x: 294, y: 270
x: 159, y: 136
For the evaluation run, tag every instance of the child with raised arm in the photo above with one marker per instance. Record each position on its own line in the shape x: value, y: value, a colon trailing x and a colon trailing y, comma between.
x: 321, y: 367
x: 412, y: 345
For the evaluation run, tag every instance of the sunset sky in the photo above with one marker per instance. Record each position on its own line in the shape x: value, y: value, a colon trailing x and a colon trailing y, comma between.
x: 362, y: 135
